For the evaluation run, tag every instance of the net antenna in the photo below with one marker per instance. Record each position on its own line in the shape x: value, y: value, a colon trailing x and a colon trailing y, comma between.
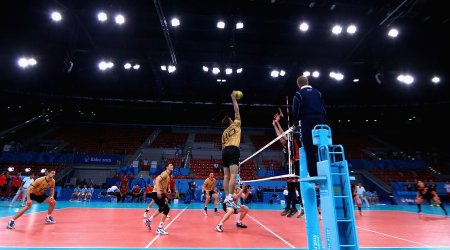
x: 287, y: 111
x: 289, y: 136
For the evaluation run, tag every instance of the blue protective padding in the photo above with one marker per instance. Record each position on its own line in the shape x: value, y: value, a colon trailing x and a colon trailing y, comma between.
x: 308, y: 192
x: 321, y: 135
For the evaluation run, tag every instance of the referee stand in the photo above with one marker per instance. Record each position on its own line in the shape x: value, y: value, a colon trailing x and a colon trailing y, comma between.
x: 336, y: 201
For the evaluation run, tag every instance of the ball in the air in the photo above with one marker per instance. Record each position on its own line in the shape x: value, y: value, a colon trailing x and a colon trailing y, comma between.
x: 238, y: 94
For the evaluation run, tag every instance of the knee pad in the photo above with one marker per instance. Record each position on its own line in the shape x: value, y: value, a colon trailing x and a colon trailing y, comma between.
x: 166, y: 210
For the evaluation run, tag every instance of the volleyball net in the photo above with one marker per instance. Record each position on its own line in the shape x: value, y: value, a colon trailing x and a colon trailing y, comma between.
x: 290, y: 168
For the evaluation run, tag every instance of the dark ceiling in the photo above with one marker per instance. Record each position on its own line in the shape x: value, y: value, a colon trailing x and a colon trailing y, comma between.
x: 269, y: 40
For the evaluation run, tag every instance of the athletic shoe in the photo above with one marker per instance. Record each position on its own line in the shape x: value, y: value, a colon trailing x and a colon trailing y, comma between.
x: 205, y: 213
x: 232, y: 204
x: 145, y: 215
x: 286, y: 211
x: 49, y: 219
x: 10, y: 225
x: 241, y: 225
x: 167, y: 216
x: 161, y: 231
x: 219, y: 228
x: 301, y: 214
x: 292, y: 213
x: 147, y: 224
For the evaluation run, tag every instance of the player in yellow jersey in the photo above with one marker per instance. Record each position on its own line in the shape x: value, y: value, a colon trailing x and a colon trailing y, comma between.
x: 242, y: 210
x: 231, y: 139
x: 161, y: 196
x: 208, y: 191
x: 36, y: 192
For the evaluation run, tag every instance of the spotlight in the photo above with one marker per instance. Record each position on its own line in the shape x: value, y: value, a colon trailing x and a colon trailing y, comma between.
x: 102, y: 16
x: 274, y: 73
x: 221, y: 25
x: 56, y: 16
x: 175, y: 22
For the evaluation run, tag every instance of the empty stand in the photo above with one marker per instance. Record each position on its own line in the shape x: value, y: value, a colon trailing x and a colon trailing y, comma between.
x: 272, y: 165
x: 215, y: 139
x: 355, y: 144
x: 99, y: 139
x: 167, y: 139
x: 392, y: 175
x: 202, y: 167
x: 261, y: 140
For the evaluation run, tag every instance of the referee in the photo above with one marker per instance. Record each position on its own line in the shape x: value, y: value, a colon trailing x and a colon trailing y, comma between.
x: 308, y: 107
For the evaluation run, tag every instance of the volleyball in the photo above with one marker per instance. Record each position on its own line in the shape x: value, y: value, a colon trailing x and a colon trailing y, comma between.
x: 238, y: 94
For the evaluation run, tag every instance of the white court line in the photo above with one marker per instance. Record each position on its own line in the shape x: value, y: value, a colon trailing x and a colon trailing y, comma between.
x: 395, y: 237
x: 168, y: 225
x: 424, y: 214
x: 270, y: 231
x: 30, y: 212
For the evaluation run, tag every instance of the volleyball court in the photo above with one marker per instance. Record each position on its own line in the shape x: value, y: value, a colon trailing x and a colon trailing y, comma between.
x: 108, y: 225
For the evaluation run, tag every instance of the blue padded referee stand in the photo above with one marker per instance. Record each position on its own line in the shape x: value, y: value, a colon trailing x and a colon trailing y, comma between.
x: 336, y: 201
x: 308, y: 192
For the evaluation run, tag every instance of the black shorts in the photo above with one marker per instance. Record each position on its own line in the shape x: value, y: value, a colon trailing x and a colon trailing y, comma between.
x: 230, y: 156
x: 160, y: 202
x: 427, y: 196
x: 210, y: 192
x: 39, y: 198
